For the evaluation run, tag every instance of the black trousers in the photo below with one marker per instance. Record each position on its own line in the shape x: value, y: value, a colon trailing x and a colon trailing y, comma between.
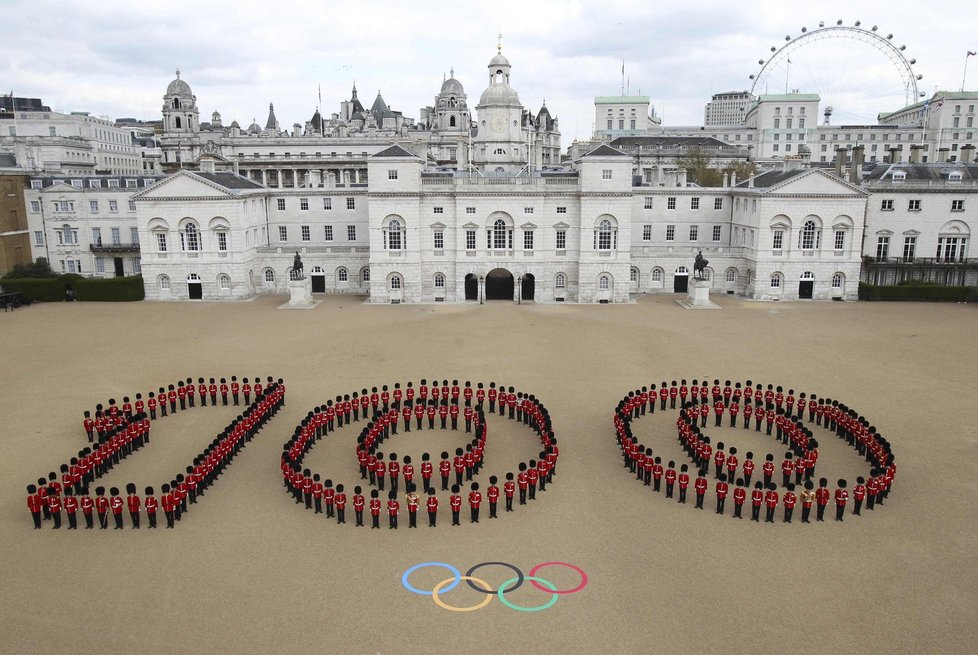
x: 118, y: 521
x: 522, y: 496
x: 770, y: 514
x: 858, y: 504
x: 755, y: 512
x: 375, y: 518
x: 840, y: 511
x: 820, y: 512
x: 787, y: 514
x: 392, y: 521
x: 72, y: 521
x: 169, y: 518
x: 359, y: 516
x: 720, y: 503
x: 444, y: 483
x: 455, y: 520
x: 412, y: 519
x: 737, y: 510
x: 89, y: 521
x: 509, y: 503
x: 699, y: 501
x: 682, y: 494
x: 475, y: 514
x: 151, y: 517
x: 669, y: 488
x: 805, y: 513
x: 134, y: 517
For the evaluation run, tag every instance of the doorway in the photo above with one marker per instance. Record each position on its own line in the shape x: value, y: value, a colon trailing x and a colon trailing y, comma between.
x: 318, y: 276
x: 806, y: 286
x: 119, y: 268
x: 471, y: 287
x: 529, y: 286
x: 499, y: 285
x: 195, y: 290
x: 680, y: 281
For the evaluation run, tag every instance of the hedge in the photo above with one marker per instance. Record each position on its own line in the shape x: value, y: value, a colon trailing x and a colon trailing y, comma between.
x: 113, y: 289
x: 918, y: 292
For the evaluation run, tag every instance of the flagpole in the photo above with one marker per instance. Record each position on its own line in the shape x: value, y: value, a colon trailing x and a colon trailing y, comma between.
x: 971, y: 53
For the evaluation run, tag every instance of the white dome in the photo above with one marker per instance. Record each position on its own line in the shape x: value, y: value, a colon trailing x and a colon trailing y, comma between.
x: 451, y: 86
x: 499, y: 60
x: 500, y: 94
x: 179, y: 88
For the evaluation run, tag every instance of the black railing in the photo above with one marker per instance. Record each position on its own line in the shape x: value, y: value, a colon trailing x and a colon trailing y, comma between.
x: 114, y: 247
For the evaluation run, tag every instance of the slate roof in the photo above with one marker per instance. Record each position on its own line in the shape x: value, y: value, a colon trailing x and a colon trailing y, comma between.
x: 605, y: 151
x: 669, y: 142
x: 230, y: 181
x: 772, y: 178
x: 936, y: 171
x: 395, y: 151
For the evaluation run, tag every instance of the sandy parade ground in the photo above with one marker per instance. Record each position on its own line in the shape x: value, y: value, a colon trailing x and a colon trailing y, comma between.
x: 247, y: 570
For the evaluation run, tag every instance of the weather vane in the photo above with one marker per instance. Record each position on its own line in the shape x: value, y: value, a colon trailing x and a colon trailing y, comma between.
x: 499, y: 44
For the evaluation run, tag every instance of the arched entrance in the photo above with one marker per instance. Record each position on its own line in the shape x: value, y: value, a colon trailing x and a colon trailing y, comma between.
x: 529, y: 286
x: 318, y: 279
x: 195, y: 289
x: 806, y: 285
x: 499, y: 285
x: 680, y: 281
x: 471, y: 287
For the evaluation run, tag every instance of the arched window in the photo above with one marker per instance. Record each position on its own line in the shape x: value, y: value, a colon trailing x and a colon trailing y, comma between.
x: 190, y: 238
x: 439, y: 281
x: 342, y: 275
x: 365, y: 274
x: 731, y: 275
x: 604, y: 282
x: 775, y: 280
x: 634, y: 275
x: 394, y: 236
x: 193, y: 277
x: 499, y: 234
x: 499, y: 151
x: 451, y: 122
x: 224, y: 282
x: 657, y: 274
x: 809, y: 239
x: 807, y: 275
x: 176, y: 122
x: 269, y: 276
x: 176, y: 104
x: 605, y: 236
x: 395, y: 282
x: 682, y: 270
x: 837, y: 280
x: 560, y: 281
x: 164, y: 283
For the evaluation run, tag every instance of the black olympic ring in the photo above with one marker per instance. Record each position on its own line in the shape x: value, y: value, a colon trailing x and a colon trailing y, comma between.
x: 513, y: 568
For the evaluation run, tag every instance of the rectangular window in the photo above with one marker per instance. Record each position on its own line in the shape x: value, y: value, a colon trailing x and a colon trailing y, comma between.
x: 646, y: 233
x: 671, y: 202
x: 93, y: 206
x: 528, y: 240
x: 35, y: 206
x: 281, y: 204
x: 775, y: 147
x: 132, y: 205
x: 561, y: 239
x: 470, y: 239
x: 694, y: 232
x: 37, y: 184
x: 38, y: 238
x: 716, y: 232
x: 470, y: 210
x: 304, y: 204
x: 328, y: 232
x: 561, y: 210
x: 718, y: 203
x: 882, y: 248
x: 632, y: 124
x: 351, y: 203
x: 840, y: 240
x: 606, y: 174
x: 391, y: 174
x: 116, y: 237
x: 777, y: 240
x: 694, y: 203
x: 610, y: 124
x: 327, y: 203
x: 113, y: 206
x: 957, y: 205
x: 131, y: 184
x: 53, y: 131
x: 439, y: 210
x: 306, y: 234
x: 283, y: 233
x: 777, y: 123
x: 222, y: 241
x: 670, y: 232
x: 99, y: 265
x: 439, y: 240
x: 113, y: 184
x: 913, y: 205
x: 351, y: 232
x: 909, y: 248
x: 621, y: 124
x: 951, y: 249
x: 528, y: 210
x: 886, y: 205
x: 161, y: 241
x: 97, y: 236
x: 648, y: 202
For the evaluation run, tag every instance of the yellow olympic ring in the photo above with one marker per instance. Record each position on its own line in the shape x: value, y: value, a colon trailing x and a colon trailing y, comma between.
x: 440, y: 603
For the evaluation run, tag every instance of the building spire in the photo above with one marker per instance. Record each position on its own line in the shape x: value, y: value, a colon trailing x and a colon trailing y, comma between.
x: 499, y: 44
x: 178, y: 73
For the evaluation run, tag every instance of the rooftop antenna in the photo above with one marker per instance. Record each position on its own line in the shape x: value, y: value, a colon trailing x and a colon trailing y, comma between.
x: 971, y: 53
x: 623, y: 76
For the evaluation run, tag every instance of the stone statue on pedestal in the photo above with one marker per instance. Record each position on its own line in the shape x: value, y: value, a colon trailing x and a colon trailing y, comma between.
x: 297, y: 265
x: 699, y: 265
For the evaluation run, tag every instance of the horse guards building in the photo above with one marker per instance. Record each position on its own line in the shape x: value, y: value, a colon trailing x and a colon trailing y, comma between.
x: 464, y: 207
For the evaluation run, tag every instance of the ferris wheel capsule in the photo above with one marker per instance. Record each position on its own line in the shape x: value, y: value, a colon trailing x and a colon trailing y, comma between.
x: 774, y: 48
x: 913, y: 61
x: 902, y: 48
x: 752, y: 76
x: 760, y: 61
x: 787, y: 37
x: 804, y: 29
x: 889, y: 36
x: 838, y: 22
x: 821, y: 23
x: 920, y: 77
x: 875, y: 28
x: 858, y: 23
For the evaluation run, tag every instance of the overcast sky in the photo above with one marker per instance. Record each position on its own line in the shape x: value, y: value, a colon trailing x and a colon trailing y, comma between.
x: 116, y: 59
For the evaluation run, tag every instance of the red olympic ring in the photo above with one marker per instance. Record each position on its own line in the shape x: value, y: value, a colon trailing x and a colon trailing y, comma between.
x: 580, y: 571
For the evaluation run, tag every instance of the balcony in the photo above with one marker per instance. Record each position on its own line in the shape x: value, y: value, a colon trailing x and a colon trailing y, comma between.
x: 114, y: 247
x: 969, y: 263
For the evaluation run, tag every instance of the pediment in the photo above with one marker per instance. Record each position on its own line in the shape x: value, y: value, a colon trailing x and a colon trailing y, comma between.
x: 183, y: 185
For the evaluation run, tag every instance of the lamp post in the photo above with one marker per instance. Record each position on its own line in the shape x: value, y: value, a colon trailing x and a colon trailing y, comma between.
x: 482, y: 282
x: 519, y: 293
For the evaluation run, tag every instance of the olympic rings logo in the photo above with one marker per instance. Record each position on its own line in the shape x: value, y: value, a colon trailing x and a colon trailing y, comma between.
x: 483, y: 587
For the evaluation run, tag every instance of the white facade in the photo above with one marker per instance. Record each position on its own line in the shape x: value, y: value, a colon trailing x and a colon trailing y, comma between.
x: 727, y: 108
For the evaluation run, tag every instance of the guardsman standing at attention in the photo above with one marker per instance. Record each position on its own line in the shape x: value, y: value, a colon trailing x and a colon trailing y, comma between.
x: 523, y: 481
x: 700, y: 487
x: 166, y: 504
x: 419, y: 411
x: 35, y: 503
x: 756, y: 499
x: 748, y: 412
x: 872, y: 490
x: 858, y: 494
x: 224, y: 392
x: 492, y: 495
x: 87, y: 505
x: 393, y: 507
x: 475, y: 501
x: 445, y: 470
x: 426, y: 471
x: 739, y: 496
x: 721, y: 490
x: 151, y: 504
x: 375, y: 509
x: 407, y: 470
x: 431, y: 412
x: 317, y: 493
x: 841, y: 498
x: 455, y: 501
x: 340, y: 501
x: 235, y: 390
x: 432, y: 505
x: 807, y: 498
x: 683, y: 480
x: 329, y: 498
x: 821, y: 498
x: 458, y: 465
x: 358, y: 504
x: 394, y: 471
x: 89, y: 425
x: 71, y: 508
x: 787, y: 466
x: 412, y: 500
x: 768, y: 469
x: 771, y: 499
x: 212, y: 391
x: 789, y: 502
x: 509, y: 490
x: 670, y: 478
x: 532, y: 476
x: 133, y: 502
x: 115, y: 505
x: 406, y: 412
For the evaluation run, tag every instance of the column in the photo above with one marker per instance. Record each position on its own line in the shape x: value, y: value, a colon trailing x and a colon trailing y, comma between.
x: 264, y: 176
x: 295, y: 178
x: 278, y: 173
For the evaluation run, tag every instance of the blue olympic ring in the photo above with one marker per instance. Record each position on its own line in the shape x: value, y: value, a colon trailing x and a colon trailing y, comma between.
x: 407, y: 585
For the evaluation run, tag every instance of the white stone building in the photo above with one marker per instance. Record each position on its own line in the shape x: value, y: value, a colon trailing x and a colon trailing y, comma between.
x: 728, y: 108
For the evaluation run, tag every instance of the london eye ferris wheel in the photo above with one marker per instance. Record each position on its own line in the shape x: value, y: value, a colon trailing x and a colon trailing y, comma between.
x: 857, y: 72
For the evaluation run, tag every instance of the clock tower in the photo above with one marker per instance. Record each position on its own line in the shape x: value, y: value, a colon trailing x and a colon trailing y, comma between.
x: 499, y: 144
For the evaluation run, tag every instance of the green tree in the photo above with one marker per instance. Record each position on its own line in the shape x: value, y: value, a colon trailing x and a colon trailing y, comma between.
x: 699, y: 169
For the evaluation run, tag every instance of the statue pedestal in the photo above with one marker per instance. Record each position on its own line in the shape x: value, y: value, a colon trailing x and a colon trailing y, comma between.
x: 699, y: 296
x: 300, y: 295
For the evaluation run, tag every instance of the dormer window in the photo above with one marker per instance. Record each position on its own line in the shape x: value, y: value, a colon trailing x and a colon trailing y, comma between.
x: 899, y: 176
x: 954, y: 176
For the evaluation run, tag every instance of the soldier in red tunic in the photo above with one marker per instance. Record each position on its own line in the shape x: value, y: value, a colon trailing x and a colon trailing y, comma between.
x: 426, y: 471
x: 35, y: 504
x: 821, y: 498
x: 380, y: 469
x: 858, y: 494
x: 394, y: 471
x: 722, y: 488
x: 739, y: 496
x: 509, y: 490
x: 787, y: 466
x: 789, y: 501
x: 657, y: 472
x: 393, y: 508
x: 235, y: 390
x: 375, y: 509
x: 807, y: 498
x: 432, y: 505
x: 340, y: 501
x: 87, y: 505
x: 683, y: 480
x: 151, y: 504
x: 445, y: 470
x: 358, y: 504
x: 134, y: 502
x: 455, y: 501
x: 317, y: 493
x: 700, y: 487
x: 670, y: 478
x: 523, y: 481
x: 492, y: 495
x: 748, y: 412
x: 719, y: 459
x: 532, y: 476
x: 412, y: 500
x: 756, y: 499
x: 768, y: 469
x: 475, y: 501
x: 166, y: 504
x: 841, y: 498
x: 115, y: 505
x: 329, y: 498
x: 771, y: 500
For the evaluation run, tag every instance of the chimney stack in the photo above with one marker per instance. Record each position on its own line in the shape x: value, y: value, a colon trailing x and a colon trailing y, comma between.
x: 915, y: 153
x: 733, y: 179
x: 726, y: 180
x: 856, y: 170
x: 968, y: 154
x: 840, y: 162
